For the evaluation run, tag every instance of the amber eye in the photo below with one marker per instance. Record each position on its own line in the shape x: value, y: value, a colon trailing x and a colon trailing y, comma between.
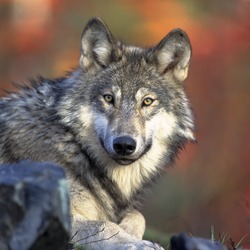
x: 147, y: 101
x: 108, y: 98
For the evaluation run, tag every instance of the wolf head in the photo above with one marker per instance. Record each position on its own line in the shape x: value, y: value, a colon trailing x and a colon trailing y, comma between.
x: 134, y: 100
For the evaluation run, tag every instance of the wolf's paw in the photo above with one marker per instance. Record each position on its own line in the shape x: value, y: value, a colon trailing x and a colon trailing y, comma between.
x: 134, y: 224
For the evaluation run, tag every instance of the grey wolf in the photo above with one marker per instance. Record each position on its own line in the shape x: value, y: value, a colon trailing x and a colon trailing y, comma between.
x: 114, y: 124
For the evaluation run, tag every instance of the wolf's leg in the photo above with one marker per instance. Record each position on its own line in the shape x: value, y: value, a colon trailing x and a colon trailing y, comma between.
x: 97, y: 235
x: 134, y: 224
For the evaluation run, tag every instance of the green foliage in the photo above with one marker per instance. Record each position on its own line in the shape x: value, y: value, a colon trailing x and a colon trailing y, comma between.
x: 226, y: 240
x: 239, y: 244
x: 78, y: 247
x: 212, y: 233
x: 158, y: 237
x: 73, y: 246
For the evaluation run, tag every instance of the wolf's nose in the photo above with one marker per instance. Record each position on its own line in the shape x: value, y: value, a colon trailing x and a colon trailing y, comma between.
x: 124, y: 145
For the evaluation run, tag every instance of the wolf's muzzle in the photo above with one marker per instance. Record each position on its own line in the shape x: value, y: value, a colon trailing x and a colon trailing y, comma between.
x: 124, y: 145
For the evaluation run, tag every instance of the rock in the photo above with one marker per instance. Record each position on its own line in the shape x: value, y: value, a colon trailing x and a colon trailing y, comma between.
x: 185, y: 242
x: 34, y: 207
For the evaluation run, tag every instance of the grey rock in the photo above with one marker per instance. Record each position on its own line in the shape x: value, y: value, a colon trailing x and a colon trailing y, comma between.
x: 185, y: 242
x: 34, y: 207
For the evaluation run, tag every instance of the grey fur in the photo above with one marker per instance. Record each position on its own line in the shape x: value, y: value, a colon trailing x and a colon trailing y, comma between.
x: 72, y: 121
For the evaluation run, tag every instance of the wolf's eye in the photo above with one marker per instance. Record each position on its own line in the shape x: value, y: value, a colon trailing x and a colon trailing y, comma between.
x: 147, y: 101
x: 109, y: 98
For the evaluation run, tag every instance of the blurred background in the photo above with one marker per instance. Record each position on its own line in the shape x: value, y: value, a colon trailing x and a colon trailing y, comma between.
x: 210, y: 183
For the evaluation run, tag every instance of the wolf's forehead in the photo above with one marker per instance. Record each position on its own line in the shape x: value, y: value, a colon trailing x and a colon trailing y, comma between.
x: 134, y: 57
x: 138, y: 93
x: 142, y: 92
x: 132, y: 73
x: 117, y: 90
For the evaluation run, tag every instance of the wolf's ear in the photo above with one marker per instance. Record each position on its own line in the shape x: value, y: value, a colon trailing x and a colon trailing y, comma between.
x: 98, y: 46
x: 173, y: 54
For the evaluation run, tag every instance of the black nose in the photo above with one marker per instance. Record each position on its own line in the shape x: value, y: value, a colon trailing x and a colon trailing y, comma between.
x: 124, y: 145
